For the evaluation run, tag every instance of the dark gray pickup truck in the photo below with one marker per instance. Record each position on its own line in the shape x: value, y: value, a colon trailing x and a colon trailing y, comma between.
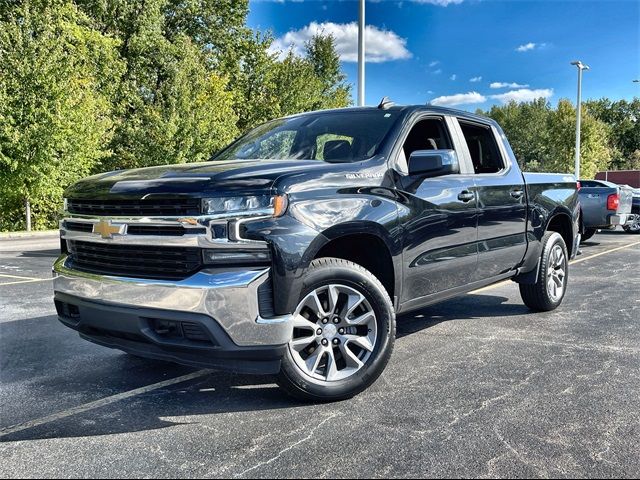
x: 292, y: 251
x: 603, y: 205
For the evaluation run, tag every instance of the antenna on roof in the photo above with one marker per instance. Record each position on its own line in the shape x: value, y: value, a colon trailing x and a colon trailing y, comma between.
x: 385, y: 103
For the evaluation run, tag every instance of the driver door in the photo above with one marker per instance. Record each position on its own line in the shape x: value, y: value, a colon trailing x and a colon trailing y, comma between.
x: 439, y: 218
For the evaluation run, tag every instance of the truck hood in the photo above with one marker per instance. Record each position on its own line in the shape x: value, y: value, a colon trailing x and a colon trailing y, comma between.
x: 191, y: 179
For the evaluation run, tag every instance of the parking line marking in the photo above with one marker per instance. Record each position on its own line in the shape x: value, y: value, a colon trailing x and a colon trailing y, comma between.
x: 16, y: 276
x: 100, y: 403
x: 577, y: 260
x: 26, y: 281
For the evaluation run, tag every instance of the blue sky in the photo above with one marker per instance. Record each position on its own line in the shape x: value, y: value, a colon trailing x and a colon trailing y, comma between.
x: 431, y: 50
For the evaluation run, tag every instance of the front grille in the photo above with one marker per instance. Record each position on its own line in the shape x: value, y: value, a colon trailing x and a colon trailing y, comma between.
x: 138, y: 229
x: 172, y: 207
x: 78, y: 226
x: 171, y: 263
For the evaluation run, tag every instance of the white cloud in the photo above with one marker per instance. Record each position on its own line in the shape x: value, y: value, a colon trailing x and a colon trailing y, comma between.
x: 507, y: 85
x: 434, y: 63
x: 453, y: 77
x: 459, y: 99
x: 438, y: 71
x: 530, y: 46
x: 526, y: 47
x: 381, y: 45
x: 475, y: 79
x: 523, y: 95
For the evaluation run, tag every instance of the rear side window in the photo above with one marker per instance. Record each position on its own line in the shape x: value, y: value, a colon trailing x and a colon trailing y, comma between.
x: 483, y: 148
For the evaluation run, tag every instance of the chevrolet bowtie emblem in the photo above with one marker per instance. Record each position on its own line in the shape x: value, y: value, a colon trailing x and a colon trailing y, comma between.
x: 106, y: 230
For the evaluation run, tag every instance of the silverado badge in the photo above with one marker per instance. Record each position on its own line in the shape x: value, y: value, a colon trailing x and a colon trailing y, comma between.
x: 106, y: 230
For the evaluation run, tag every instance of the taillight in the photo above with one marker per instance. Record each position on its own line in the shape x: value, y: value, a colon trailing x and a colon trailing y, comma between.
x: 613, y: 201
x: 578, y: 186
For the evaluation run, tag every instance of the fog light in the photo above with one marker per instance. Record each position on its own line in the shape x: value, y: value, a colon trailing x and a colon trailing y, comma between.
x: 236, y: 257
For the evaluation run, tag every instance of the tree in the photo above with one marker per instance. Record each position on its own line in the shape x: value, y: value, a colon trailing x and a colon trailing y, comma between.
x: 526, y: 127
x: 623, y: 120
x: 55, y: 112
x: 324, y: 59
x: 543, y: 139
x: 595, y: 153
x: 170, y: 106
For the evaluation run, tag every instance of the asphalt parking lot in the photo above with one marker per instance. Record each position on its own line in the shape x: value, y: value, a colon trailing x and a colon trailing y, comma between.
x: 477, y: 387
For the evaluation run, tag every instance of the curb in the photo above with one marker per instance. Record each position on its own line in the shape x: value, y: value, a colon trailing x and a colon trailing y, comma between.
x: 25, y: 235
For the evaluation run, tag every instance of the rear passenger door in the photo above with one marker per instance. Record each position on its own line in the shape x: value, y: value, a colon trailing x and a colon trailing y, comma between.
x: 501, y: 197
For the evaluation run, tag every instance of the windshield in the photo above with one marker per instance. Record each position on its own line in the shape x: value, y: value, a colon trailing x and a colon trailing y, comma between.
x: 328, y: 136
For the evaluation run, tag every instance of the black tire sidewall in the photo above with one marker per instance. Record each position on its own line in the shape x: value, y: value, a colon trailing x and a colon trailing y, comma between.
x: 324, y: 272
x: 552, y: 240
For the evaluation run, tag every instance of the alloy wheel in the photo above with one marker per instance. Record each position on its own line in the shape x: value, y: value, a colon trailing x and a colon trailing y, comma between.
x: 556, y: 273
x: 334, y: 333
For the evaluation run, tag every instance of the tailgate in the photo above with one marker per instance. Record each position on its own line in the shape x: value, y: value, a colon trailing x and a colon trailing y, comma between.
x: 626, y: 200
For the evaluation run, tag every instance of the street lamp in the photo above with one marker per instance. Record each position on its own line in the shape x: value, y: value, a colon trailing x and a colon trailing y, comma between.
x: 581, y: 67
x: 361, y: 58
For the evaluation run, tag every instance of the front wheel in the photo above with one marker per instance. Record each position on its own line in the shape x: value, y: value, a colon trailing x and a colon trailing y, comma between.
x: 547, y: 293
x: 343, y: 333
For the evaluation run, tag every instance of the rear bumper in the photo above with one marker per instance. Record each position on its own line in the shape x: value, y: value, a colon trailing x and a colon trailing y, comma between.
x: 210, y: 319
x: 618, y: 219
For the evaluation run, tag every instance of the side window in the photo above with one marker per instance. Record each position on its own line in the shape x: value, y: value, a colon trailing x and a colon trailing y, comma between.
x: 483, y: 148
x: 428, y: 134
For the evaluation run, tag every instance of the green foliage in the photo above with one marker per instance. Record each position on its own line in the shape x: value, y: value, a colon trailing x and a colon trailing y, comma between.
x: 93, y: 85
x: 543, y: 139
x: 623, y: 119
x: 55, y: 112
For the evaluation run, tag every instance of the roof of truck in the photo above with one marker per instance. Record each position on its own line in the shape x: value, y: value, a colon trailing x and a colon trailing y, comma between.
x: 407, y: 109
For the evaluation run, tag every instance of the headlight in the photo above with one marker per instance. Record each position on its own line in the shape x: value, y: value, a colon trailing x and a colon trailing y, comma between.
x: 246, y: 205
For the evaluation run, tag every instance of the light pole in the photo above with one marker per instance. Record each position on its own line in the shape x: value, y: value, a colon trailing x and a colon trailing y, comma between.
x: 361, y: 58
x: 581, y: 67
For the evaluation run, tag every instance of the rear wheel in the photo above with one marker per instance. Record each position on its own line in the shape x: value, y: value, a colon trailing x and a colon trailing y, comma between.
x: 588, y: 233
x: 547, y: 293
x: 344, y: 330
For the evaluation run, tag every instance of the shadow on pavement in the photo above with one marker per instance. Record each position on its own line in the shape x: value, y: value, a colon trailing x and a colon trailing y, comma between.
x: 53, y: 253
x: 468, y: 307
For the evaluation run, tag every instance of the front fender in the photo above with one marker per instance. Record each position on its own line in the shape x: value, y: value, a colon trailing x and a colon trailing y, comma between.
x: 310, y: 224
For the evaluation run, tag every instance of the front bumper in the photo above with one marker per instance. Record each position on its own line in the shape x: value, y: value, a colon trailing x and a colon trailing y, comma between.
x: 210, y: 319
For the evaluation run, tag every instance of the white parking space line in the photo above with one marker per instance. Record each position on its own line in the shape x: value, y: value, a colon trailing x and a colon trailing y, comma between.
x: 582, y: 259
x: 100, y: 403
x: 6, y: 275
x: 572, y: 262
x: 26, y: 281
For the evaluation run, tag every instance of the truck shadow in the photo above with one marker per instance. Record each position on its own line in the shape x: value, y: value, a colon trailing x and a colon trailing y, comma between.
x: 40, y: 370
x: 467, y: 307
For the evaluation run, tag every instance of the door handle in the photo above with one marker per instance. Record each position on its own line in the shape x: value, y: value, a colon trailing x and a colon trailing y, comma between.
x: 466, y: 196
x: 517, y: 194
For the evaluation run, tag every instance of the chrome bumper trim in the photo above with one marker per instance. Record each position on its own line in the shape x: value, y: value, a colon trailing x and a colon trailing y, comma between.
x: 230, y: 297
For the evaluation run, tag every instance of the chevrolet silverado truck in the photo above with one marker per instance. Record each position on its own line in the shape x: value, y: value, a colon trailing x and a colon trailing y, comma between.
x: 603, y: 205
x: 293, y: 250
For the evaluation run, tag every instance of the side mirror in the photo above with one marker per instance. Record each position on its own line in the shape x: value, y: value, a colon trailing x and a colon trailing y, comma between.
x: 433, y: 163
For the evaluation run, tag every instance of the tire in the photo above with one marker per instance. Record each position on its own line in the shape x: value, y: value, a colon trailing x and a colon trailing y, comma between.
x: 340, y: 301
x: 554, y: 269
x: 588, y: 233
x: 634, y: 226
